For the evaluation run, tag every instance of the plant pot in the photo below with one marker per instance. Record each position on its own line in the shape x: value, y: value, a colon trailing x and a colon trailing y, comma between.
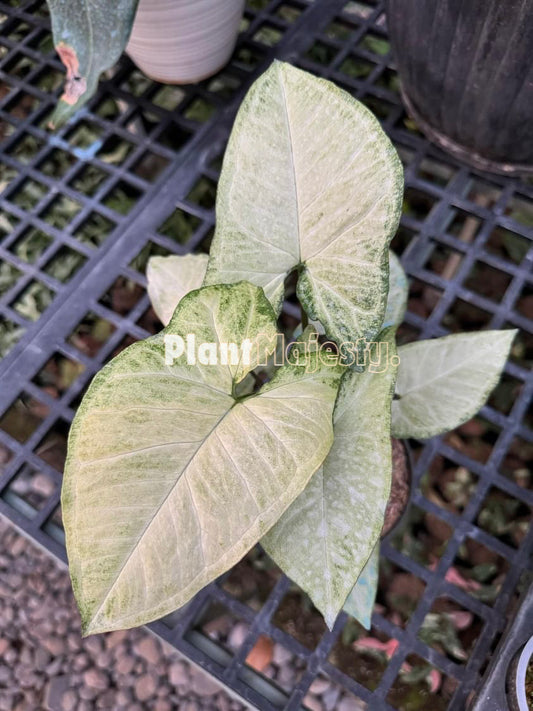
x: 467, y: 77
x: 184, y: 41
x: 516, y: 678
x: 400, y: 488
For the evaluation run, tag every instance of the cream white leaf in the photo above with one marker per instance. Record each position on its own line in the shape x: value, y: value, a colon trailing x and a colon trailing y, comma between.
x: 443, y: 382
x: 360, y: 601
x: 325, y: 538
x: 169, y: 478
x: 309, y: 182
x: 171, y: 278
x: 398, y: 293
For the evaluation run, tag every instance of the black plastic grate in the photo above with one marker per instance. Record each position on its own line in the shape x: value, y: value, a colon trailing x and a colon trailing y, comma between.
x: 136, y: 175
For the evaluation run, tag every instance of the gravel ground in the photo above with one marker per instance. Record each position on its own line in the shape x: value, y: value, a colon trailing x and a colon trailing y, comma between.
x: 46, y: 665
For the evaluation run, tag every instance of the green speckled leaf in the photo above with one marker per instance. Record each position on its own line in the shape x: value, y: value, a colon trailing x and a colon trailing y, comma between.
x: 169, y: 478
x: 444, y: 382
x: 326, y: 536
x: 309, y: 181
x: 360, y: 601
x: 171, y: 278
x: 89, y: 36
x: 398, y: 292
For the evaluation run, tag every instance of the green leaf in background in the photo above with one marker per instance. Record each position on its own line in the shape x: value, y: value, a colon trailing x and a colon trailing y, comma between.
x: 325, y: 538
x: 89, y: 36
x: 309, y: 182
x: 398, y: 293
x: 442, y: 383
x: 171, y: 278
x: 169, y: 478
x: 360, y: 601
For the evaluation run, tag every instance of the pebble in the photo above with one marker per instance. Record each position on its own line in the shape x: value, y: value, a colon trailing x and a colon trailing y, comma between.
x: 45, y: 664
x: 350, y: 704
x: 145, y: 687
x: 149, y: 649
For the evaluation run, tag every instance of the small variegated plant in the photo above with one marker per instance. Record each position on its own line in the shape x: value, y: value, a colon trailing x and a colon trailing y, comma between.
x: 180, y: 462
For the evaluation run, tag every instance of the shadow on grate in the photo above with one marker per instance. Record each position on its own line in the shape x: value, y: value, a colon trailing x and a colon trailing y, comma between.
x: 136, y: 176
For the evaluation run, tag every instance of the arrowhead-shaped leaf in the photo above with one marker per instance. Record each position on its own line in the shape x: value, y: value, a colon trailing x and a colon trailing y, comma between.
x: 171, y: 278
x: 326, y: 536
x: 444, y: 382
x: 170, y: 479
x: 398, y: 293
x: 360, y: 601
x: 309, y: 181
x: 89, y: 36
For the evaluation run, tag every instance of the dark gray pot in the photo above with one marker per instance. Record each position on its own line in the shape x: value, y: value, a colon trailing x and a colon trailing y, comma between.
x: 466, y: 71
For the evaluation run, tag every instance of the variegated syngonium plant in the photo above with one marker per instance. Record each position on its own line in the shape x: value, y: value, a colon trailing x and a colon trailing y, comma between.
x: 178, y: 464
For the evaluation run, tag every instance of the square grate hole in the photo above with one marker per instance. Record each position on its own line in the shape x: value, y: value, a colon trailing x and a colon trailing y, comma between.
x: 150, y: 249
x: 450, y: 629
x: 399, y: 593
x: 247, y: 58
x: 8, y: 276
x: 110, y: 107
x: 57, y: 163
x: 49, y: 79
x: 23, y: 105
x: 297, y: 616
x: 361, y: 654
x: 420, y: 680
x: 84, y: 135
x: 524, y: 305
x: 23, y: 417
x: 94, y: 230
x: 375, y: 44
x: 423, y: 537
x: 174, y: 136
x: 463, y: 316
x: 288, y: 13
x: 321, y: 53
x: 10, y: 334
x: 7, y: 176
x: 275, y: 663
x: 19, y: 66
x: 199, y: 110
x: 436, y: 172
x: 362, y: 10
x: 31, y: 245
x: 123, y: 296
x: 339, y: 30
x: 505, y: 394
x: 168, y: 97
x: 520, y: 209
x: 204, y: 193
x: 508, y: 245
x: 417, y: 203
x: 223, y: 627
x: 150, y: 166
x: 61, y: 211
x: 444, y: 260
x: 33, y: 301
x: 29, y: 491
x: 423, y: 298
x: 268, y: 35
x: 122, y: 198
x: 476, y: 439
x: 29, y: 194
x: 52, y: 448
x: 448, y: 484
x: 478, y: 570
x: 91, y: 334
x: 487, y: 281
x: 65, y: 264
x: 58, y: 374
x: 136, y: 83
x: 518, y: 463
x: 504, y: 517
x: 180, y: 226
x: 26, y: 148
x: 89, y: 179
x: 224, y: 85
x: 115, y: 150
x: 356, y: 67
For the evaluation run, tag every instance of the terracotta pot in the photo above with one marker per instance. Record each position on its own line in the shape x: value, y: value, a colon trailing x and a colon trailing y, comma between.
x: 401, y: 486
x: 184, y: 41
